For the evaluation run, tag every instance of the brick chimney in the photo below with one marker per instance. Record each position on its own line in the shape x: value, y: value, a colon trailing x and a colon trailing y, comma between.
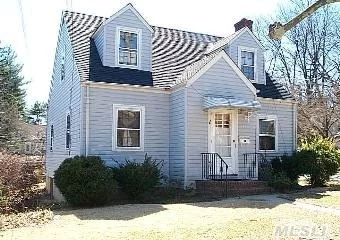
x: 244, y: 23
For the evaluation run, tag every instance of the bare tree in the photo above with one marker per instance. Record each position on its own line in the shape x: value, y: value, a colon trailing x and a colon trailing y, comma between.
x: 307, y: 60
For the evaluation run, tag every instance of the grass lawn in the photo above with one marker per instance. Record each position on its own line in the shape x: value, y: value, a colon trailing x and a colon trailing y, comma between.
x: 246, y: 218
x: 324, y: 196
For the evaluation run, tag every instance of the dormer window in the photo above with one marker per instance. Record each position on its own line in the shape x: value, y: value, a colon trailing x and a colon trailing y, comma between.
x: 247, y: 62
x: 128, y: 48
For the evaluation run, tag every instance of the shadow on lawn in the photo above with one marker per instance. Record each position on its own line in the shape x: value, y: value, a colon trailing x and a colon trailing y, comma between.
x: 312, y: 193
x: 118, y: 212
x: 155, y: 203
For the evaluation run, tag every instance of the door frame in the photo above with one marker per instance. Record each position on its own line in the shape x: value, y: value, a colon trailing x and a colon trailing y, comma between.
x: 234, y: 133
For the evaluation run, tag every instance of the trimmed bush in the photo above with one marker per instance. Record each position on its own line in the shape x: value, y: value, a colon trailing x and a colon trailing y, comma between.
x: 86, y: 181
x: 265, y: 173
x: 137, y: 178
x: 290, y: 165
x: 281, y: 182
x: 319, y: 158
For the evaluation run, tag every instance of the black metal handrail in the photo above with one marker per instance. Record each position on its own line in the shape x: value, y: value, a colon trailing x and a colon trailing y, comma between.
x: 213, y: 167
x: 251, y: 163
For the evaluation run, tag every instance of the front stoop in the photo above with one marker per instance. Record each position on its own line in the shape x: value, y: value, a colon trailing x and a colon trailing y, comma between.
x: 232, y: 188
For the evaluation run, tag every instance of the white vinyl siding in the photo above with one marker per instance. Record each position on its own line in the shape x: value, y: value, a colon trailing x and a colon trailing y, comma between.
x: 101, y: 125
x: 245, y: 39
x: 64, y: 97
x: 129, y: 21
x: 177, y: 136
x: 220, y: 80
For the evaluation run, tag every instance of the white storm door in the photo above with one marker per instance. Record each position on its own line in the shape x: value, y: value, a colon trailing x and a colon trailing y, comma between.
x: 223, y: 135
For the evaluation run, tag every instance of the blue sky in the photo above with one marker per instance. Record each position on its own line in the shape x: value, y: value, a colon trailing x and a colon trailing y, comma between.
x: 42, y: 18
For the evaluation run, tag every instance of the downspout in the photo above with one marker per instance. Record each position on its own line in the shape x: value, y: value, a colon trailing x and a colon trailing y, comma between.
x: 185, y: 137
x: 87, y: 120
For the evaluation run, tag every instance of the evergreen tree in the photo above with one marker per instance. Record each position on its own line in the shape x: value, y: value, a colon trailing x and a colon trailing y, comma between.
x: 12, y: 96
x: 37, y: 112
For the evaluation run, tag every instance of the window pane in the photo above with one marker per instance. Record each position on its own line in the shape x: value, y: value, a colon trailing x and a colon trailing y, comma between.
x: 248, y: 72
x: 128, y: 138
x: 267, y: 143
x: 267, y: 126
x: 247, y: 58
x: 128, y: 119
x: 128, y: 40
x: 68, y: 140
x: 68, y: 122
x: 128, y: 48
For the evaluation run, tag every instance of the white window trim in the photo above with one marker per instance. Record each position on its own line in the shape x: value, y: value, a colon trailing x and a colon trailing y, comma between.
x: 139, y: 46
x: 117, y: 107
x: 248, y: 49
x: 267, y: 117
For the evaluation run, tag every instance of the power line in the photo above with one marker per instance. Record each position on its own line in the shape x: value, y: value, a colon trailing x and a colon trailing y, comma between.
x: 23, y: 26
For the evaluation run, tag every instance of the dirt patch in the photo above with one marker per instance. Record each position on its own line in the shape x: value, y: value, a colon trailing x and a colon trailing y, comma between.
x: 31, y: 218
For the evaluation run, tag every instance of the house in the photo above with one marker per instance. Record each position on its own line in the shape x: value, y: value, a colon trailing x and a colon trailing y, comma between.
x: 122, y: 88
x: 31, y: 139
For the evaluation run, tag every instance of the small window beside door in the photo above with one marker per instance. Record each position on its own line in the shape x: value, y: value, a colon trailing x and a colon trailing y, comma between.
x: 267, y: 134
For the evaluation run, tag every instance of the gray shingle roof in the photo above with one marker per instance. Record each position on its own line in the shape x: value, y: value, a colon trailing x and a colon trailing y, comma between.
x: 175, y: 53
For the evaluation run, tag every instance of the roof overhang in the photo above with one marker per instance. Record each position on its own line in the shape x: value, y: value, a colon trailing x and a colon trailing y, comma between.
x: 127, y: 7
x: 216, y: 102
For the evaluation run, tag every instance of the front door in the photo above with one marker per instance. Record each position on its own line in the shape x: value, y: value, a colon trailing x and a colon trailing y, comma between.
x: 223, y: 137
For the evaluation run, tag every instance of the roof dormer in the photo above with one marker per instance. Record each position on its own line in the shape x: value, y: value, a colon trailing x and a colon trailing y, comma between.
x: 125, y: 40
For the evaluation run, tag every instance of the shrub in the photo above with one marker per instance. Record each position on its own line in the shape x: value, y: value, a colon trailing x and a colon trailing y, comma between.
x: 85, y: 181
x: 281, y: 182
x: 265, y: 173
x: 290, y: 165
x: 137, y: 178
x: 19, y: 183
x: 319, y: 158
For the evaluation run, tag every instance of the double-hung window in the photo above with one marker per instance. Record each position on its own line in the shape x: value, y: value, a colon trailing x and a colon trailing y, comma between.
x: 247, y: 62
x: 267, y: 133
x: 128, y: 48
x: 68, y: 131
x: 51, y: 137
x: 62, y: 64
x: 129, y: 127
